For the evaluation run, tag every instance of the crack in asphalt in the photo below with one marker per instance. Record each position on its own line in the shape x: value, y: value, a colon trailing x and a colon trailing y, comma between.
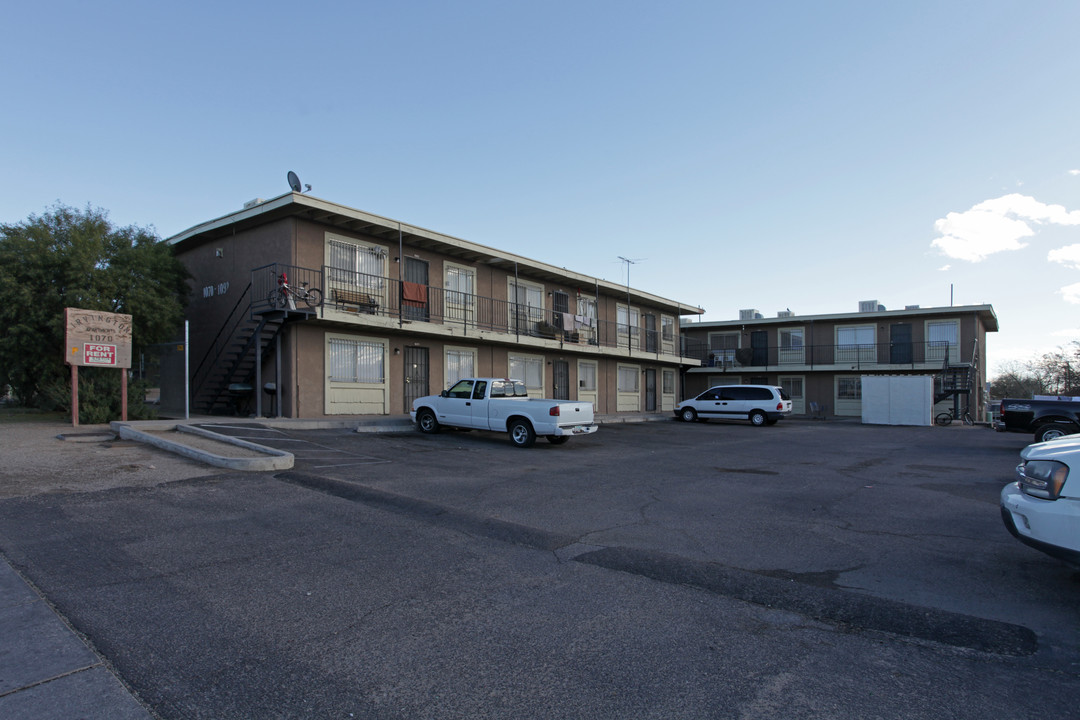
x: 803, y: 593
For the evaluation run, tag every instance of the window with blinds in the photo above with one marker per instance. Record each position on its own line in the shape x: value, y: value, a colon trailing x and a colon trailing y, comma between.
x: 529, y: 370
x: 942, y: 340
x: 356, y: 265
x: 628, y: 378
x: 459, y: 364
x: 356, y: 361
x: 460, y: 288
x: 856, y: 344
x: 526, y: 305
x: 587, y: 376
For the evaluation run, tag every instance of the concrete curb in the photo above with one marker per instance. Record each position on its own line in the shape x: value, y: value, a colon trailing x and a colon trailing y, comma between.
x: 271, y: 459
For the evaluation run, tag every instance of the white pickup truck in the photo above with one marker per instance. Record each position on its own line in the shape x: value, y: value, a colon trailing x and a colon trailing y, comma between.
x: 501, y: 404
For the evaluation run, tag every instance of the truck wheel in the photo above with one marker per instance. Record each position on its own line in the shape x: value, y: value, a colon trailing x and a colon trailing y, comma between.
x: 758, y: 418
x: 425, y: 420
x: 557, y: 439
x: 522, y: 434
x: 1052, y: 431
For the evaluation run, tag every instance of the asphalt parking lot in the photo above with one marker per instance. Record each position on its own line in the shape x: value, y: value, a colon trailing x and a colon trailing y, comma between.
x: 810, y: 569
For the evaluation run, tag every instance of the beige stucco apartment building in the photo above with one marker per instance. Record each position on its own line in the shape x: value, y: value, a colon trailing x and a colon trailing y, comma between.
x: 405, y: 312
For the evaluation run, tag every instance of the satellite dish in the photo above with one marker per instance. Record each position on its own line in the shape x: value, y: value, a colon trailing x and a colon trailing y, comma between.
x: 294, y: 182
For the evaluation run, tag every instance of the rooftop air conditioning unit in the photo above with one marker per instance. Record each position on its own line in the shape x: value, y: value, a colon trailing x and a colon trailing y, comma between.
x: 785, y: 313
x: 252, y: 203
x: 911, y: 307
x: 749, y: 314
x: 868, y: 306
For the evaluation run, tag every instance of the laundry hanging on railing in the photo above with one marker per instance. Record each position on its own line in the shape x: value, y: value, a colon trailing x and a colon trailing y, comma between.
x: 414, y: 294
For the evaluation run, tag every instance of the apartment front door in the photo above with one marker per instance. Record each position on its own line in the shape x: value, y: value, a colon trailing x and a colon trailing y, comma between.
x: 651, y: 344
x: 900, y: 344
x: 416, y: 375
x: 650, y: 391
x: 560, y: 308
x: 759, y: 346
x: 560, y: 370
x: 414, y: 291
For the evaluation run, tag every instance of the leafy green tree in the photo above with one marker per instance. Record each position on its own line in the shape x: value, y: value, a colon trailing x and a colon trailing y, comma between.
x: 77, y: 258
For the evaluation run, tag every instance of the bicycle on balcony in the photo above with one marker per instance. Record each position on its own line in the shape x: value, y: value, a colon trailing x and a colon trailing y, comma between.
x: 281, y: 296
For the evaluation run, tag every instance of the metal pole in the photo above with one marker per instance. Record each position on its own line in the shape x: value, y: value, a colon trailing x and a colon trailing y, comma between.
x: 258, y: 375
x: 629, y: 335
x: 400, y: 275
x: 277, y: 376
x: 74, y: 395
x: 187, y: 365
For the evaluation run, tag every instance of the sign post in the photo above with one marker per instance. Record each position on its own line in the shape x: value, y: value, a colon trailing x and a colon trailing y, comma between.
x: 97, y: 339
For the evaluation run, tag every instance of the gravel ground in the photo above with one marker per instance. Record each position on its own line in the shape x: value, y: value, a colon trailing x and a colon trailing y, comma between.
x: 47, y: 457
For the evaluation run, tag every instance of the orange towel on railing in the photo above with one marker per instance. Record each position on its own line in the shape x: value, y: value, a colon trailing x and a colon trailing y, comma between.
x: 414, y: 294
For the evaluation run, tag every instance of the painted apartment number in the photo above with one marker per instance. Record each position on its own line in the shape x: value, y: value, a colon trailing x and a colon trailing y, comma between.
x: 210, y: 291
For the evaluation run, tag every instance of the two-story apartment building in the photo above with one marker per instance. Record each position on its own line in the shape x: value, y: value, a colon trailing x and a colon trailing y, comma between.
x: 405, y: 312
x: 820, y: 359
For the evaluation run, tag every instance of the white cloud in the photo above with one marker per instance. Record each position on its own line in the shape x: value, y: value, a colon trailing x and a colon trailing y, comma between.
x: 1068, y: 256
x: 1074, y: 172
x: 1071, y: 293
x: 1071, y: 333
x: 996, y: 225
x: 943, y: 268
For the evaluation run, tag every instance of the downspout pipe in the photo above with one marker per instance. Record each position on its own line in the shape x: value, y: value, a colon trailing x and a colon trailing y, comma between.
x: 401, y: 278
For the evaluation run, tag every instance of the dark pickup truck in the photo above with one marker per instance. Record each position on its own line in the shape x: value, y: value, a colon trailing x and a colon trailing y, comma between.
x: 1046, y: 418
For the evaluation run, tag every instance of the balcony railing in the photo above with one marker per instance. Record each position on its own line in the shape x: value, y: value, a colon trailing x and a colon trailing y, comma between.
x: 266, y: 282
x: 871, y: 355
x: 366, y: 294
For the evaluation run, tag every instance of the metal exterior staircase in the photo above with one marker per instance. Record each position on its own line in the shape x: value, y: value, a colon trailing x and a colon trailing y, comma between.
x: 956, y: 380
x: 223, y: 381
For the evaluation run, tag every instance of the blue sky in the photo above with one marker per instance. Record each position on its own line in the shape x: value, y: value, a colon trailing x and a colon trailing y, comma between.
x: 764, y: 155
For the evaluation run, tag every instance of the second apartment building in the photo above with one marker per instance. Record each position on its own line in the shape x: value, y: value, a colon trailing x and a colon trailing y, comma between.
x: 820, y: 360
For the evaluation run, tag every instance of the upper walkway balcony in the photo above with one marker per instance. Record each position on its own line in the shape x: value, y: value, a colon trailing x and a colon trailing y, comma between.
x: 875, y: 356
x: 377, y: 300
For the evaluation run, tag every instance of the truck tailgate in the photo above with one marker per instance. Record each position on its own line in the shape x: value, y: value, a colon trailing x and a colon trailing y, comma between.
x: 574, y: 413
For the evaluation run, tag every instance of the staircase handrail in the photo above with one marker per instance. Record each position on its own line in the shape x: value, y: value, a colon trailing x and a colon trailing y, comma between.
x: 219, y: 343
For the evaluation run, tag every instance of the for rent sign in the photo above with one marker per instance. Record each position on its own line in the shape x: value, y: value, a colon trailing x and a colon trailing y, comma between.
x: 99, y: 354
x: 96, y: 338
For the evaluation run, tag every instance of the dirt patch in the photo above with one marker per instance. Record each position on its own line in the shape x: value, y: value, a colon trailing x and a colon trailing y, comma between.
x: 34, y: 459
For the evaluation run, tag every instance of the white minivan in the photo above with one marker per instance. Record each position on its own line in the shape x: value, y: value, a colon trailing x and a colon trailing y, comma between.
x: 760, y: 404
x: 1042, y: 508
